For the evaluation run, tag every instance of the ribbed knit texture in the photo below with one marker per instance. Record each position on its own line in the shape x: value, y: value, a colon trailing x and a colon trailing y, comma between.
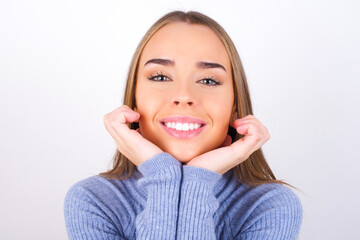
x: 162, y: 176
x: 165, y: 200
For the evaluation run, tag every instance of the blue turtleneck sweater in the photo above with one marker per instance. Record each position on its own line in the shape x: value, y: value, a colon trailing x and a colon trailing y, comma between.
x: 164, y: 199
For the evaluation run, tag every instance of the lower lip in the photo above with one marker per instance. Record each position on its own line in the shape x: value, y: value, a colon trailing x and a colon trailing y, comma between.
x: 183, y: 134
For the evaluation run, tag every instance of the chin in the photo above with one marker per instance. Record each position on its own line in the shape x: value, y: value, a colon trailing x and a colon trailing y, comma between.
x: 182, y: 158
x: 183, y: 155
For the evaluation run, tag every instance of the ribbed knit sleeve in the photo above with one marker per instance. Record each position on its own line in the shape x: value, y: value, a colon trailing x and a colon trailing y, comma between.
x: 197, y: 204
x: 161, y: 180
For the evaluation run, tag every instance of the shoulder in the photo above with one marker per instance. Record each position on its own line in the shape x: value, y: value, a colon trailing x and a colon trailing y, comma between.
x: 275, y: 197
x: 110, y: 202
x: 270, y: 208
x: 91, y: 188
x: 89, y: 184
x: 103, y: 190
x: 273, y: 194
x: 233, y: 192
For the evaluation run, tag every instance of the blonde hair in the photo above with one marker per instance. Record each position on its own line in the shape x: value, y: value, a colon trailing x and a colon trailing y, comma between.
x: 254, y: 170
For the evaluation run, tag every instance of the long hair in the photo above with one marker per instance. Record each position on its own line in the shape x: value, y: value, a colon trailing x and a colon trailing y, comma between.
x: 253, y: 171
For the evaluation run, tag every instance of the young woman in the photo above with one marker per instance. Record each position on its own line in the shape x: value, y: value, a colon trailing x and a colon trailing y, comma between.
x: 188, y: 163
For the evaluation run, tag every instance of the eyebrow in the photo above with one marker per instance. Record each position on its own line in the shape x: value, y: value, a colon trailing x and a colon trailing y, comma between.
x: 201, y: 64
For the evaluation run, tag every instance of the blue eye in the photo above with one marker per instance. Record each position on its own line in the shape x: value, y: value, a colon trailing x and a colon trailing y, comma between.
x: 159, y: 78
x: 209, y: 81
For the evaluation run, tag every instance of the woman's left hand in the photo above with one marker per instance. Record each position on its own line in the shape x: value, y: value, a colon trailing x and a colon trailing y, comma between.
x: 229, y: 155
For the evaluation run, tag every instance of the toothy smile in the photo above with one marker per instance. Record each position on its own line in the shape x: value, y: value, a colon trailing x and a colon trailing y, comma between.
x: 182, y: 126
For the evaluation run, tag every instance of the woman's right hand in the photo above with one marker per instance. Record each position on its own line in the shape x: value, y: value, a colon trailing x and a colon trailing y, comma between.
x: 129, y: 142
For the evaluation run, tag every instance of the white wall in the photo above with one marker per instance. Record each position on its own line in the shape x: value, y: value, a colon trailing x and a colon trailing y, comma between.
x: 63, y: 65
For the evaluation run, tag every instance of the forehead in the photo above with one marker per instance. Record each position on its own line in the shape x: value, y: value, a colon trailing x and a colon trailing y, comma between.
x: 188, y: 42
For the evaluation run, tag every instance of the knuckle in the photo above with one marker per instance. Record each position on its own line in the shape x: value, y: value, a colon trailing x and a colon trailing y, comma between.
x: 259, y: 137
x: 112, y: 124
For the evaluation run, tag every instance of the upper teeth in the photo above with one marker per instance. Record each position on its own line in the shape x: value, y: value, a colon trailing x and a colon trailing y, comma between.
x: 182, y: 126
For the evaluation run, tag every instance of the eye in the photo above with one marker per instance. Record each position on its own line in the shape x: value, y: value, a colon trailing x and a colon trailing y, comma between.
x: 159, y: 77
x: 210, y: 81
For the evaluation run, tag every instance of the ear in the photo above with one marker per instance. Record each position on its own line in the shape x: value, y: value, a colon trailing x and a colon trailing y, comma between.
x: 234, y: 114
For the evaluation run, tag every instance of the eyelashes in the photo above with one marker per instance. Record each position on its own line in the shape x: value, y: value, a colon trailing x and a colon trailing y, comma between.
x: 209, y: 81
x: 161, y: 77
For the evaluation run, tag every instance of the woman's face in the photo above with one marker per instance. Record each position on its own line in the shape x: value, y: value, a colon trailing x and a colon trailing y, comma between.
x: 184, y: 90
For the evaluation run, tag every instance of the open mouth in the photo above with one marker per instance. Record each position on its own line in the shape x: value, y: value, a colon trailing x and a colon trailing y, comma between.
x: 183, y: 127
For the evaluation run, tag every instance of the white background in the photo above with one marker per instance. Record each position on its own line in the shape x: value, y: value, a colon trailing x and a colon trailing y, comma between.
x: 63, y: 66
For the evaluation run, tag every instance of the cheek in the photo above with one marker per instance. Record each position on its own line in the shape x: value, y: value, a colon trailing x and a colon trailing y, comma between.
x: 220, y: 111
x: 148, y: 106
x: 219, y: 107
x: 144, y: 100
x: 149, y: 96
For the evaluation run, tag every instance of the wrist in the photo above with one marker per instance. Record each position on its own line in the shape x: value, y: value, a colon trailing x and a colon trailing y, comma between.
x: 201, y: 175
x: 160, y: 162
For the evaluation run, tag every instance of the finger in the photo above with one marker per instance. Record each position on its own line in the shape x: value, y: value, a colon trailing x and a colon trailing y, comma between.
x: 243, y: 130
x: 115, y: 121
x: 121, y: 115
x: 253, y: 129
x: 249, y: 116
x: 239, y: 122
x: 257, y: 124
x: 242, y: 121
x: 127, y: 115
x: 128, y: 140
x: 254, y: 137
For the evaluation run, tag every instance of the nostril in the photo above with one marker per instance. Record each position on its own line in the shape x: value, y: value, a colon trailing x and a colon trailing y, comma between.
x: 190, y: 103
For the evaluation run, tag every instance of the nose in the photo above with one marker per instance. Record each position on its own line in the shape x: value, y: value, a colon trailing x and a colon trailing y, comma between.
x: 183, y: 96
x: 183, y: 102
